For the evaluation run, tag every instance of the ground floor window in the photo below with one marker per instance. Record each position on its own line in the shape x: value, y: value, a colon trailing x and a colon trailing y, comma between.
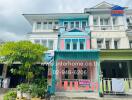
x: 66, y: 73
x: 84, y: 73
x: 75, y: 73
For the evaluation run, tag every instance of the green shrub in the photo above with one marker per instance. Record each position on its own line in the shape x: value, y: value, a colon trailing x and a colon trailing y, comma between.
x: 10, y: 95
x: 24, y: 87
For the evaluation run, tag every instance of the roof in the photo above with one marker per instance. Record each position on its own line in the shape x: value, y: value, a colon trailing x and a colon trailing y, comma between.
x: 55, y: 16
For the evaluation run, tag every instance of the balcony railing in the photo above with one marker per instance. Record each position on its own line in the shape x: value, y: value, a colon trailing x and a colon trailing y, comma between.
x: 106, y: 86
x: 108, y: 27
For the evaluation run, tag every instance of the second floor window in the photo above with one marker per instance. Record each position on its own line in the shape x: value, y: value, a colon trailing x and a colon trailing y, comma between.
x: 49, y: 25
x: 44, y: 43
x: 83, y: 24
x: 44, y: 25
x: 71, y: 25
x: 66, y: 24
x: 95, y: 21
x: 38, y: 25
x: 67, y: 45
x: 74, y: 45
x: 50, y: 44
x: 81, y: 45
x: 104, y: 21
x: 77, y: 24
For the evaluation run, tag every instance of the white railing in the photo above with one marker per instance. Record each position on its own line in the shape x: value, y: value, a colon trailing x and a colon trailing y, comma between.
x: 106, y: 86
x: 108, y: 27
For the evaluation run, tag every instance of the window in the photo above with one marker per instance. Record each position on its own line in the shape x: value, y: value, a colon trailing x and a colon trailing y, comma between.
x: 50, y: 44
x: 114, y: 21
x: 38, y: 25
x: 130, y: 43
x: 66, y: 24
x: 49, y: 25
x: 83, y: 24
x: 44, y: 43
x: 81, y: 45
x: 75, y: 73
x: 107, y: 43
x: 66, y: 73
x: 116, y: 44
x: 56, y: 23
x: 77, y: 24
x: 45, y: 25
x: 99, y: 44
x: 95, y: 21
x: 84, y: 74
x: 67, y: 45
x: 104, y: 21
x: 37, y: 41
x: 71, y: 24
x: 74, y: 45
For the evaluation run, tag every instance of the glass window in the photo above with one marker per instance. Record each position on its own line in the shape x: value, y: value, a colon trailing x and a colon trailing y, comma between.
x: 71, y: 24
x: 67, y: 45
x: 99, y: 44
x: 37, y: 41
x: 45, y: 25
x: 106, y: 21
x: 95, y: 21
x: 74, y: 45
x: 116, y: 44
x: 44, y: 43
x: 75, y: 73
x: 77, y: 24
x: 101, y: 21
x: 66, y: 24
x: 81, y: 45
x: 84, y: 74
x: 56, y: 23
x: 66, y: 73
x: 49, y: 25
x: 38, y: 25
x: 50, y: 44
x: 83, y: 24
x: 130, y: 43
x: 107, y: 43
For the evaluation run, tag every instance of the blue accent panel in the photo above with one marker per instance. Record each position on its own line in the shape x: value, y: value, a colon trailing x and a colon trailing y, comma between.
x: 74, y: 40
x: 74, y: 34
x: 75, y: 30
x: 67, y: 40
x: 116, y: 7
x: 82, y: 40
x: 117, y: 14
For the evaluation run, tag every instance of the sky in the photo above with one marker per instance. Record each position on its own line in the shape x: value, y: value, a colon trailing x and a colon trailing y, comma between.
x: 13, y: 26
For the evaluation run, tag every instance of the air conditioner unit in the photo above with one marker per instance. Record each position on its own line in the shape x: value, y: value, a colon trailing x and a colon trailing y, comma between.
x: 103, y: 28
x: 55, y: 27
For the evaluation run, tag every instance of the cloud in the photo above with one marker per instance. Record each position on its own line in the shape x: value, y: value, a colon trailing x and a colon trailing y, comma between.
x: 7, y: 36
x: 12, y: 21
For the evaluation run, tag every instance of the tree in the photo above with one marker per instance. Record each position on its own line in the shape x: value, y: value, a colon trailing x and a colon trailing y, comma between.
x: 25, y: 52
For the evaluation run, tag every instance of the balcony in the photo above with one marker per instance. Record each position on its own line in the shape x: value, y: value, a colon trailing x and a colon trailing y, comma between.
x: 108, y: 27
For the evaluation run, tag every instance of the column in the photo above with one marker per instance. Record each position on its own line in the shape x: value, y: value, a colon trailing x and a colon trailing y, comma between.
x: 111, y: 20
x: 91, y: 22
x: 99, y: 22
x: 104, y: 47
x: 34, y: 26
x: 112, y: 44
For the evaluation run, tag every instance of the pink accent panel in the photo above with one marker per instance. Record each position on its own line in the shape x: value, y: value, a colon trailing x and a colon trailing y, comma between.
x: 88, y: 44
x: 62, y: 45
x: 65, y: 85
